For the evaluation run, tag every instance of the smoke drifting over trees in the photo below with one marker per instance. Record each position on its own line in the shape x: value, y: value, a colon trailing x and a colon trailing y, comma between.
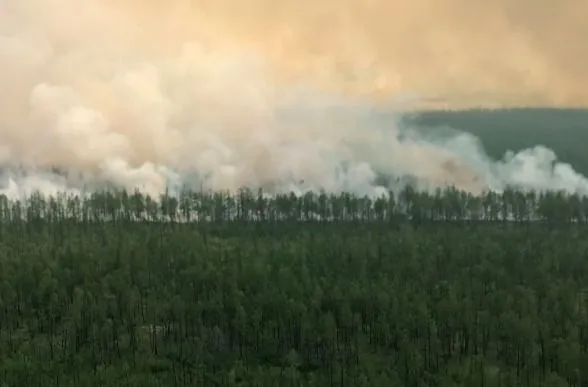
x: 224, y: 96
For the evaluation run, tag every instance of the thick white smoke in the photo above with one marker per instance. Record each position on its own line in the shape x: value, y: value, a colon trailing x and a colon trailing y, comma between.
x: 92, y: 97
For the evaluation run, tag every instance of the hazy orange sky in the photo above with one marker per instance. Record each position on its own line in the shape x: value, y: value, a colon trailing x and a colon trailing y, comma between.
x: 511, y: 52
x: 503, y: 52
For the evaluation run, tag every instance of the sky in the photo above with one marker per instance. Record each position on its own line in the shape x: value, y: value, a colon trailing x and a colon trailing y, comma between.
x: 454, y: 53
x: 457, y: 52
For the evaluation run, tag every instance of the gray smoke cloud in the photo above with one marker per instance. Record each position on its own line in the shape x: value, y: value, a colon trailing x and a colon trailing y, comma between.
x: 222, y: 95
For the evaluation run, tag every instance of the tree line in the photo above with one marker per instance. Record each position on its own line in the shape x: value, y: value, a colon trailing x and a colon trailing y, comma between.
x: 407, y: 204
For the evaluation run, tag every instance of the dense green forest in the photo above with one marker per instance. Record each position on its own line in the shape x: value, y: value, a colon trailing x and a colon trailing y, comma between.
x: 563, y: 130
x: 413, y: 289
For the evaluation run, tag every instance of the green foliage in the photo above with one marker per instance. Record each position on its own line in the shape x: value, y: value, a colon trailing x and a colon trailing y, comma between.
x: 416, y: 290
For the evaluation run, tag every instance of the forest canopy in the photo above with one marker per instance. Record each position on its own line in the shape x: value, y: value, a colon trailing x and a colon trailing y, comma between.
x: 413, y: 289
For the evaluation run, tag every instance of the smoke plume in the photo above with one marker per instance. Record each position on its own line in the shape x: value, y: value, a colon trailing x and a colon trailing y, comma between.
x: 285, y: 95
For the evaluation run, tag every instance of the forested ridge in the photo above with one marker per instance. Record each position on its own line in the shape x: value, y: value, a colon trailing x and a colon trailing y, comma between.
x: 565, y: 131
x: 411, y: 289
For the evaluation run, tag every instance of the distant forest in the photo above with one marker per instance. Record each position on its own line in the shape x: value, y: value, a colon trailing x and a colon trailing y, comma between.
x: 565, y: 131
